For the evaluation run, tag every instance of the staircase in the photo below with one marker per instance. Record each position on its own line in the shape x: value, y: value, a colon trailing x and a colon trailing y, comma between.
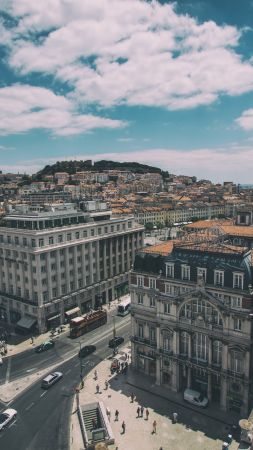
x: 88, y: 417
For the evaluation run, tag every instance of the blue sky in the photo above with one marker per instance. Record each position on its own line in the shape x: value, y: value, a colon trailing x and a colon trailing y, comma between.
x: 164, y: 83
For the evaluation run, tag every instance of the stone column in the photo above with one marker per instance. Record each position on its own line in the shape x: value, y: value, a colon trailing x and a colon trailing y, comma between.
x: 158, y: 371
x: 209, y: 387
x: 189, y: 377
x: 224, y: 381
x: 245, y: 399
x: 158, y: 337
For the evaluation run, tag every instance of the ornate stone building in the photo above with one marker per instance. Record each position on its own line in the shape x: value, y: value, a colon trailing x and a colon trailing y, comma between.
x: 192, y: 322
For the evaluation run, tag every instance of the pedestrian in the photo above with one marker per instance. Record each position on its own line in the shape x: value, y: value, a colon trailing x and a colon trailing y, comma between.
x: 147, y: 414
x: 108, y: 413
x: 138, y: 411
x: 106, y: 384
x: 32, y: 340
x: 154, y: 427
x: 132, y: 397
x: 97, y: 389
x: 175, y: 416
x: 94, y: 423
x: 116, y: 415
x: 123, y: 427
x: 95, y: 375
x: 142, y: 410
x: 128, y: 357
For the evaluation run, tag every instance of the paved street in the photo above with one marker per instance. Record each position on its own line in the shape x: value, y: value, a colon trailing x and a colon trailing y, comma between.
x: 43, y: 416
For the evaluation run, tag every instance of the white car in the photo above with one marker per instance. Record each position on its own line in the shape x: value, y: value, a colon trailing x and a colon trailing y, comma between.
x: 7, y: 416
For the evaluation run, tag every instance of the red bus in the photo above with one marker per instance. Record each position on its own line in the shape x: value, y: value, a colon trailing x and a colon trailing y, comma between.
x: 84, y: 324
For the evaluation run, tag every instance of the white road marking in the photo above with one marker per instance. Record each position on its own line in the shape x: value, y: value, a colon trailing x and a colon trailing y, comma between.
x: 76, y: 365
x: 30, y: 370
x: 13, y: 423
x: 43, y: 393
x: 8, y: 371
x: 30, y: 406
x: 69, y: 370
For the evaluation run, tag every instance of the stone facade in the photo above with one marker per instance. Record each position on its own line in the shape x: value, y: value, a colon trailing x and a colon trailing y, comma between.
x: 192, y: 323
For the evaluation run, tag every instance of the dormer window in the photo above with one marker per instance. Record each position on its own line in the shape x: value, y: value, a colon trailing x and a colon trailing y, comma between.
x: 219, y: 278
x: 185, y: 272
x: 201, y: 273
x: 237, y: 280
x: 170, y: 270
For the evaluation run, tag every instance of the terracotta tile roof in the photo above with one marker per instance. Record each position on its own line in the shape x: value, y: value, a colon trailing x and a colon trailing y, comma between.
x: 238, y: 230
x: 209, y: 223
x: 163, y: 249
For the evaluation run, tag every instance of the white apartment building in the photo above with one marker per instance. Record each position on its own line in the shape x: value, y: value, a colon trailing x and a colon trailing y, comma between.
x: 58, y: 260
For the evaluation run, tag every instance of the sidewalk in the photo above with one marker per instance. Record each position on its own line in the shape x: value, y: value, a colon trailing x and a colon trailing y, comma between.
x: 27, y: 344
x: 195, y: 430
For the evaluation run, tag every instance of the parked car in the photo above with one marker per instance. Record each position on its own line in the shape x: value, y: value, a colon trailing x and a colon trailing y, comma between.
x: 87, y: 350
x: 195, y: 398
x: 117, y: 340
x: 44, y: 346
x: 51, y: 379
x: 1, y: 360
x: 6, y: 417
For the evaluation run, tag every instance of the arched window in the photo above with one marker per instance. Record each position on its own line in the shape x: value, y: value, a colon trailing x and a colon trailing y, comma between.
x: 167, y: 342
x: 184, y: 343
x: 198, y: 308
x: 217, y: 352
x: 200, y: 347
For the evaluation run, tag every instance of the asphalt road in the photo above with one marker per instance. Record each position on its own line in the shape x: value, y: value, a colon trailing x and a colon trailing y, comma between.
x: 27, y: 362
x: 43, y: 416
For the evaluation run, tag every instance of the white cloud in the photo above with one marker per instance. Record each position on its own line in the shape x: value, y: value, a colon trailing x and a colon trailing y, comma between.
x: 246, y: 120
x: 24, y: 107
x: 142, y: 53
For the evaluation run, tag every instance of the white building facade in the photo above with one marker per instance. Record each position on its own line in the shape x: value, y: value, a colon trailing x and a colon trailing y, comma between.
x: 56, y: 259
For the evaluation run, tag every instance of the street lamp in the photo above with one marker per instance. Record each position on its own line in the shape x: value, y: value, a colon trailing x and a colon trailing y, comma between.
x: 81, y: 366
x: 114, y: 333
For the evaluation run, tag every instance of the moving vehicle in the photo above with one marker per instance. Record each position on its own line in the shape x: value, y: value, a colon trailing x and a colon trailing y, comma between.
x: 87, y: 350
x: 114, y: 342
x: 44, y: 346
x: 6, y: 417
x: 84, y: 324
x: 51, y: 379
x: 124, y: 307
x: 195, y: 398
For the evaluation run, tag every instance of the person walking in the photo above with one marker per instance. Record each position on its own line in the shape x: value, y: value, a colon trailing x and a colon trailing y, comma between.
x: 97, y: 389
x: 154, y: 427
x: 108, y: 413
x: 142, y: 410
x: 147, y: 414
x: 123, y: 427
x: 95, y: 375
x: 116, y: 415
x: 106, y: 384
x: 175, y: 417
x: 138, y: 411
x: 132, y: 397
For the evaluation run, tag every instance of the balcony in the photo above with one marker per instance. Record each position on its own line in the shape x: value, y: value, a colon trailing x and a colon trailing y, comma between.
x: 166, y: 352
x: 145, y: 341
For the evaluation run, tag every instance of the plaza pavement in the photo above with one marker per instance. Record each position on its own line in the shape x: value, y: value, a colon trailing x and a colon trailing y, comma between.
x: 196, y: 429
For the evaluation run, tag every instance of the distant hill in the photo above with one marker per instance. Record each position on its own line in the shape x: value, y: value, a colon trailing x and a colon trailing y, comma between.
x: 72, y: 167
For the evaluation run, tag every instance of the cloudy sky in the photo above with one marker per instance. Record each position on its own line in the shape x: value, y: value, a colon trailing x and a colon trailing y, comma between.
x: 163, y: 83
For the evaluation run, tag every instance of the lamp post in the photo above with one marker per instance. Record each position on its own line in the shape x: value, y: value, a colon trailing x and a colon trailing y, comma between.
x: 114, y: 333
x: 81, y: 367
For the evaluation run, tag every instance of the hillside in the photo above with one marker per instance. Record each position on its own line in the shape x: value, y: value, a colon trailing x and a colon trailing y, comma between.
x: 72, y: 167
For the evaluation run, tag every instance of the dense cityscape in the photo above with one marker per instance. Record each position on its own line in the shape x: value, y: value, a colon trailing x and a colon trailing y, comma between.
x: 126, y: 225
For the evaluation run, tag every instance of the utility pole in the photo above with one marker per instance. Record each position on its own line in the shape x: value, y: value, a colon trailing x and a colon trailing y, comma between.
x: 114, y: 334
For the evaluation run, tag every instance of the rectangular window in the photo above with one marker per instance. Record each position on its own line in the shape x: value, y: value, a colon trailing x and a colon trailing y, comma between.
x: 68, y: 237
x: 152, y: 334
x: 140, y: 281
x: 152, y: 302
x: 51, y: 240
x: 41, y: 243
x: 85, y: 233
x: 92, y: 232
x: 218, y: 277
x: 185, y: 272
x: 77, y: 235
x: 140, y: 330
x: 24, y: 241
x: 60, y: 238
x: 238, y: 280
x: 168, y: 289
x: 140, y: 299
x: 45, y: 297
x: 166, y: 308
x: 236, y: 302
x: 238, y: 324
x: 33, y: 243
x: 152, y: 283
x: 16, y: 240
x: 201, y: 273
